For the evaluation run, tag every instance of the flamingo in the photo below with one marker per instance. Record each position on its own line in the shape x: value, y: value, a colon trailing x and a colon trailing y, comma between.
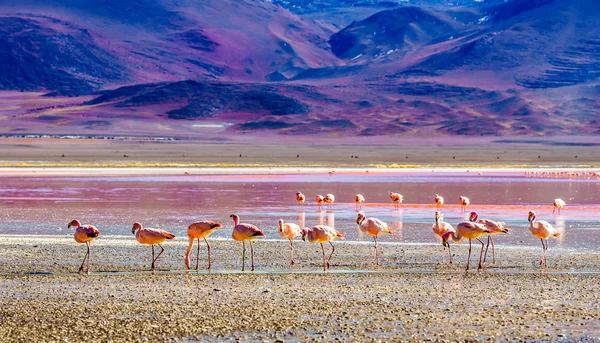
x: 494, y: 228
x: 289, y: 231
x: 322, y: 234
x: 470, y: 231
x: 300, y: 199
x: 359, y: 199
x: 151, y: 236
x: 542, y: 230
x: 439, y: 200
x: 464, y: 202
x: 558, y: 204
x: 373, y: 227
x: 84, y: 234
x: 320, y: 200
x: 245, y: 232
x: 200, y: 230
x: 440, y: 228
x: 329, y: 199
x: 397, y: 199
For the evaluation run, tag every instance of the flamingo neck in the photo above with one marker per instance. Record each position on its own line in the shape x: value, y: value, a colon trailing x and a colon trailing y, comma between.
x: 475, y: 217
x: 236, y: 221
x: 187, y: 252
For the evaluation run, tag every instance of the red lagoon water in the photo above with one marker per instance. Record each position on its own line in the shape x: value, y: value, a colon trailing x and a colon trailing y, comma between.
x: 44, y: 205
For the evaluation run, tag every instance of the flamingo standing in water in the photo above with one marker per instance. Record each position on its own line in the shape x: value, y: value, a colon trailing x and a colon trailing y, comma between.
x: 322, y: 234
x: 245, y: 232
x: 440, y: 228
x: 300, y: 199
x: 151, y: 236
x: 558, y: 204
x: 373, y: 227
x: 397, y: 199
x: 439, y: 200
x: 470, y: 231
x: 84, y: 234
x: 359, y: 199
x: 289, y: 231
x: 320, y: 200
x: 464, y: 202
x: 542, y: 230
x: 329, y: 199
x: 494, y: 228
x: 200, y: 230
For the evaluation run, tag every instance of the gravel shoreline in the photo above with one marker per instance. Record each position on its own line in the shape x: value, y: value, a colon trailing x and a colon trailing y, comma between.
x: 412, y: 297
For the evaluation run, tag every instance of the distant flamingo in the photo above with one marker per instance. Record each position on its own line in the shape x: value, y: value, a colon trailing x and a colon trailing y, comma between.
x: 373, y: 227
x: 320, y: 200
x: 397, y: 199
x: 84, y: 234
x: 300, y: 199
x: 470, y: 231
x: 440, y: 228
x: 542, y: 230
x: 439, y: 200
x: 289, y: 231
x: 200, y: 230
x: 494, y: 228
x: 359, y: 199
x: 464, y: 202
x: 245, y: 232
x: 558, y: 204
x: 322, y: 234
x: 329, y: 199
x: 151, y: 236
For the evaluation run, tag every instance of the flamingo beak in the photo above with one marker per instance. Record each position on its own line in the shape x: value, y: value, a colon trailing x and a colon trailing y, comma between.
x: 133, y: 230
x: 358, y: 220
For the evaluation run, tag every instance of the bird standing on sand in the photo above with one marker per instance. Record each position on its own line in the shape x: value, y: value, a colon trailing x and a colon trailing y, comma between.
x: 329, y: 199
x: 494, y: 228
x: 359, y: 199
x: 84, y: 234
x: 151, y: 236
x: 470, y: 231
x: 440, y: 228
x: 558, y: 204
x: 245, y: 232
x: 200, y: 230
x: 373, y: 227
x: 320, y: 200
x: 322, y: 234
x: 397, y: 199
x: 542, y: 230
x: 289, y: 231
x: 300, y: 199
x: 464, y: 202
x: 439, y: 200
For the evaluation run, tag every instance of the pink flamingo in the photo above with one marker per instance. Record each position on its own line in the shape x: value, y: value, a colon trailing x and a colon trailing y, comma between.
x: 84, y: 234
x: 440, y: 228
x: 359, y: 199
x: 322, y: 234
x: 320, y: 200
x: 151, y: 236
x: 200, y: 230
x: 397, y: 199
x: 470, y: 231
x: 289, y: 231
x: 464, y: 202
x: 542, y: 230
x: 329, y: 199
x: 494, y: 228
x: 439, y: 200
x: 245, y: 232
x: 300, y: 199
x: 558, y: 204
x: 373, y: 227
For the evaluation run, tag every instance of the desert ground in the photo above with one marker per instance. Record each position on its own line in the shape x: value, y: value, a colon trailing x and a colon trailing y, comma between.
x: 411, y: 297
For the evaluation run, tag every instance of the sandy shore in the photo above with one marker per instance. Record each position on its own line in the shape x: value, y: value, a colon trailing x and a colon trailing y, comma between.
x: 412, y: 297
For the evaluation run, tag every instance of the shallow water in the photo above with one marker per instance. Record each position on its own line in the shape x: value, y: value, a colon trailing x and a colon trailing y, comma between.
x: 44, y: 205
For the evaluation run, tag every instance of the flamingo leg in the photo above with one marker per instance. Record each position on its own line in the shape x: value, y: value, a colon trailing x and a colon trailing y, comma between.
x: 332, y: 251
x: 376, y: 254
x: 89, y: 254
x: 198, y: 253
x: 544, y: 249
x: 243, y: 255
x: 157, y: 256
x: 449, y: 254
x: 85, y: 257
x: 480, y: 268
x: 469, y: 258
x: 252, y: 255
x: 493, y: 251
x: 291, y: 252
x: 207, y: 247
x: 545, y: 261
x: 152, y: 266
x: 323, y: 251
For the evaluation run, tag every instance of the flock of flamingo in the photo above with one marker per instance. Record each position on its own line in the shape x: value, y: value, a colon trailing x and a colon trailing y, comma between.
x: 242, y: 232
